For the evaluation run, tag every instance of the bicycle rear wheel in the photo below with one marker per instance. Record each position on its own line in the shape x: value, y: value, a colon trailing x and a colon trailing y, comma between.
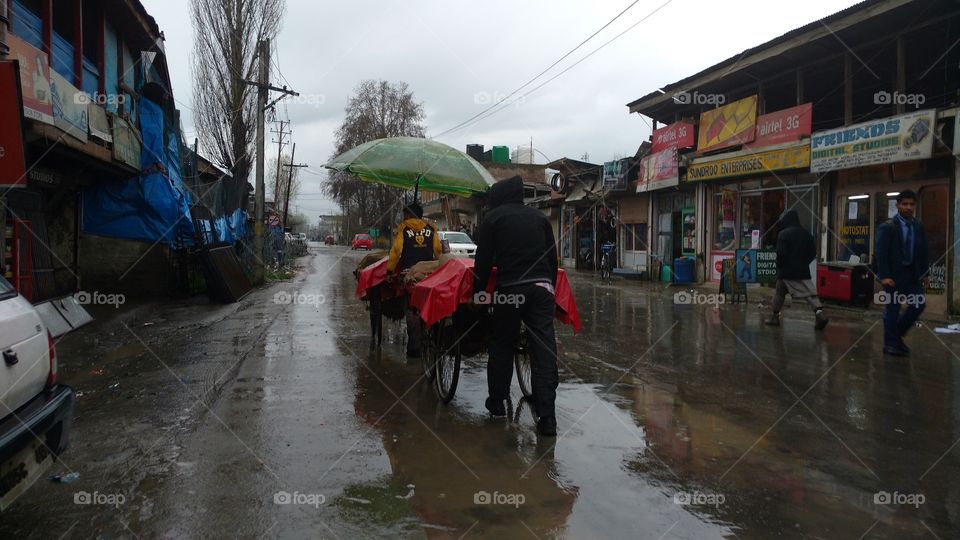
x: 448, y: 360
x: 521, y: 360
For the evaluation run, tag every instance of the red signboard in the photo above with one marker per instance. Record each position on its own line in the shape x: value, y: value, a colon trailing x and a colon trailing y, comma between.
x: 678, y: 135
x: 34, y: 80
x: 13, y: 168
x: 784, y: 126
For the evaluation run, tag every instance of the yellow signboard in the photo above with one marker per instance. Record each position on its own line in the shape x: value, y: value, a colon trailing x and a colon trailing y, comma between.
x: 730, y: 125
x: 795, y: 157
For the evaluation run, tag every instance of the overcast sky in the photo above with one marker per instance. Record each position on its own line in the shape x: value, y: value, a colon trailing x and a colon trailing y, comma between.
x: 458, y: 57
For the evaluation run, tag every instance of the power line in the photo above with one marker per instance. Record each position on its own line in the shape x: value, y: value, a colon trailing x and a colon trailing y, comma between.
x: 541, y: 85
x: 551, y: 66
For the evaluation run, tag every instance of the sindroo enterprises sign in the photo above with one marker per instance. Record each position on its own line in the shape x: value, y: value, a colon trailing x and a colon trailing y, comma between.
x: 900, y: 138
x: 794, y: 157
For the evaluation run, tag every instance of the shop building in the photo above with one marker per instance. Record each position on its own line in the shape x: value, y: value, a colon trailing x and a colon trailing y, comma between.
x: 832, y: 120
x: 96, y: 193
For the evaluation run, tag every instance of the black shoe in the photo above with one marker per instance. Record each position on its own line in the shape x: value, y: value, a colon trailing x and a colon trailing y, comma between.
x: 822, y: 320
x: 496, y: 407
x: 774, y: 320
x: 894, y: 350
x: 547, y: 426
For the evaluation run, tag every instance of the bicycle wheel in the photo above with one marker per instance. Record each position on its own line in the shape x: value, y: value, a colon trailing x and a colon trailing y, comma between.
x: 521, y: 360
x: 428, y: 352
x: 448, y: 361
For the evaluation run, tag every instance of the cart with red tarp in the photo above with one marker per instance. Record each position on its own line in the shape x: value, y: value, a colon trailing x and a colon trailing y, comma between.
x: 454, y: 326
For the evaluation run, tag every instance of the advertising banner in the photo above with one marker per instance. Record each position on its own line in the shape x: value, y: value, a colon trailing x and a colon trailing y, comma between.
x: 781, y: 159
x: 658, y: 171
x: 615, y: 175
x: 12, y: 160
x: 900, y: 138
x: 99, y: 124
x: 69, y: 107
x: 126, y: 146
x: 756, y: 266
x: 678, y: 135
x: 784, y: 126
x: 34, y: 80
x: 730, y: 125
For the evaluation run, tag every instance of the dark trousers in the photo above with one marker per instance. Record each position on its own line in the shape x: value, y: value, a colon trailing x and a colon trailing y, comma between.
x: 895, y: 324
x: 536, y: 312
x: 412, y: 318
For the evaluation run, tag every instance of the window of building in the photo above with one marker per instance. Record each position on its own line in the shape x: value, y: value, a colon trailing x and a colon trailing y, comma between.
x: 635, y: 236
x: 725, y: 220
x: 751, y: 222
x: 27, y: 18
x: 63, y: 39
x: 854, y: 231
x: 92, y: 34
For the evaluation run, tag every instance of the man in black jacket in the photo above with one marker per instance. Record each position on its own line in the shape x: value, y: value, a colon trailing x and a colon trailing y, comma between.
x: 795, y: 250
x: 903, y: 260
x: 519, y: 241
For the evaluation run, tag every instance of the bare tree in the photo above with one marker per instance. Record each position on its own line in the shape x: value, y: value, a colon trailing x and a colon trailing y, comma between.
x: 377, y: 109
x: 226, y: 34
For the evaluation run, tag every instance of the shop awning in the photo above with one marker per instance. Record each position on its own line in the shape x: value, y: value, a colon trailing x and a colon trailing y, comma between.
x: 583, y: 189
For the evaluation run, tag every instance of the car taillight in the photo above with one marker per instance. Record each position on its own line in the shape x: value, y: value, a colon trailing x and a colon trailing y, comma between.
x: 52, y: 376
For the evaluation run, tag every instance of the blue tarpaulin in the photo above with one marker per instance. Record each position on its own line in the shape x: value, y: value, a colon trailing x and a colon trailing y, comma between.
x: 152, y: 207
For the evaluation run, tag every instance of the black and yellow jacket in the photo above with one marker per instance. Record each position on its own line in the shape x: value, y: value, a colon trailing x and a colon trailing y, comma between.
x: 415, y: 241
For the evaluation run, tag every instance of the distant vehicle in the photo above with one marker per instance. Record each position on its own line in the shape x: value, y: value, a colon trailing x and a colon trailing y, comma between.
x: 459, y: 242
x: 329, y: 240
x: 40, y: 410
x: 362, y: 241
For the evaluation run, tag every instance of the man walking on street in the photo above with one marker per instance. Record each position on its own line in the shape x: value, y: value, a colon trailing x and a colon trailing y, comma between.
x: 795, y: 250
x: 415, y: 241
x: 519, y: 241
x: 902, y: 265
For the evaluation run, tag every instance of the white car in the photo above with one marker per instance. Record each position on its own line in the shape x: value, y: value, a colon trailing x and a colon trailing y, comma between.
x: 35, y: 411
x: 460, y: 243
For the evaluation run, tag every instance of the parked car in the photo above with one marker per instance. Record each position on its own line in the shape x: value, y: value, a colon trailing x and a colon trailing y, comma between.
x: 362, y: 241
x: 296, y: 246
x: 37, y: 430
x: 329, y: 240
x: 459, y: 242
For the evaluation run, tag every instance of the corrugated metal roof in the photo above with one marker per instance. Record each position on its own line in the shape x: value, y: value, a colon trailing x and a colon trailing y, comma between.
x: 731, y: 62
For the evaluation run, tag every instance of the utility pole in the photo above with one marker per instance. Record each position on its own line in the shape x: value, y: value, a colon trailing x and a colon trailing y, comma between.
x: 263, y: 93
x: 286, y: 198
x: 280, y: 144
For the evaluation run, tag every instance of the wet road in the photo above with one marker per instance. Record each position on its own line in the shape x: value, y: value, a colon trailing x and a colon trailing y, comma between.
x: 676, y: 421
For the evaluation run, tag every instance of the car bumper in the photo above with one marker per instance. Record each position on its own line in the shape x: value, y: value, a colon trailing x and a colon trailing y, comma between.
x: 47, y: 416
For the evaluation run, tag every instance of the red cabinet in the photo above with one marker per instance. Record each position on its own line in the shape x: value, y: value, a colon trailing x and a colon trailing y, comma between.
x: 845, y: 282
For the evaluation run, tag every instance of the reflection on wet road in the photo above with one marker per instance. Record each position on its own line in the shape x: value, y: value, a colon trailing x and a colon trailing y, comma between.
x: 676, y: 421
x: 688, y: 422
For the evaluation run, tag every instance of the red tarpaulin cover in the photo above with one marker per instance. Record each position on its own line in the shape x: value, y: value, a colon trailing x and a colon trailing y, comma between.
x: 439, y: 295
x: 372, y: 276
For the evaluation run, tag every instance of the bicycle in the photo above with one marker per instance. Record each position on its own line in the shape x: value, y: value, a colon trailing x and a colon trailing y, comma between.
x: 606, y: 261
x: 441, y: 353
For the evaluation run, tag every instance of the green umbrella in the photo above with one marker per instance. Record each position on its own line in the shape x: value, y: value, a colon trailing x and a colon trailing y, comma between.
x: 413, y: 162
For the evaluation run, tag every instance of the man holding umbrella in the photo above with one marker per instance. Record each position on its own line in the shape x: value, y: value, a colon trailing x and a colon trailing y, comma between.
x: 519, y: 241
x: 415, y: 241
